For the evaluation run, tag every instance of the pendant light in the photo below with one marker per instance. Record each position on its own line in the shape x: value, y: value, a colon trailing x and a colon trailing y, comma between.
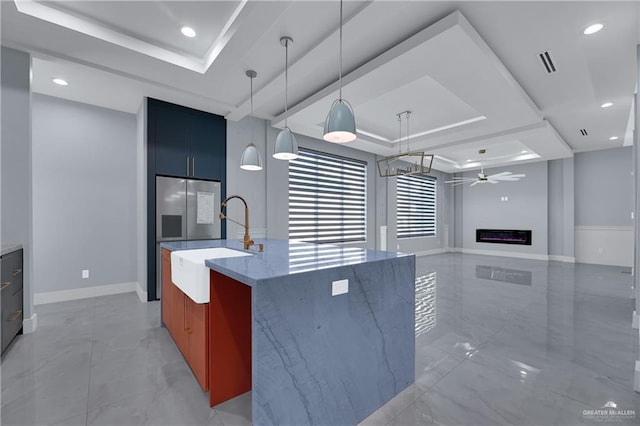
x: 250, y: 159
x: 286, y: 145
x: 340, y: 125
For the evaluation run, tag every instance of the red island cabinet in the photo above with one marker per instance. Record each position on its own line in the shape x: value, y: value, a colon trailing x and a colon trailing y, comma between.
x: 187, y: 322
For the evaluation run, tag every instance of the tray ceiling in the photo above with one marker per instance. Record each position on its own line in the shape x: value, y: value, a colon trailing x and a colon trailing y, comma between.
x: 469, y: 71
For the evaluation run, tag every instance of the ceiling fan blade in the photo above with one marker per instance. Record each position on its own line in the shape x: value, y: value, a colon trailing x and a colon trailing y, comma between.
x: 475, y: 183
x: 492, y: 181
x: 460, y: 180
x: 458, y: 183
x: 499, y: 174
x: 508, y: 179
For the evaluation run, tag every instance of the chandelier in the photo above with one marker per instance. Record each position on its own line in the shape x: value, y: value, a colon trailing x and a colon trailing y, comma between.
x: 409, y: 163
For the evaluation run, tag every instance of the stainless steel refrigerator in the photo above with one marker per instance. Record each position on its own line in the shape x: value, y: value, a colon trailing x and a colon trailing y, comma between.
x: 186, y: 209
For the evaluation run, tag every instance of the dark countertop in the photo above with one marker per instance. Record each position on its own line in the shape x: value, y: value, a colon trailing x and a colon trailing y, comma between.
x: 281, y: 258
x: 9, y: 247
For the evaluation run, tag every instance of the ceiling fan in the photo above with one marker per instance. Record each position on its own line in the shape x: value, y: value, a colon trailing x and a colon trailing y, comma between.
x: 483, y: 178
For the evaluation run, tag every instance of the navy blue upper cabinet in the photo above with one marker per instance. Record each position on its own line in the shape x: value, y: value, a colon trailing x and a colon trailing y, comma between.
x: 171, y: 141
x: 208, y: 146
x: 188, y: 143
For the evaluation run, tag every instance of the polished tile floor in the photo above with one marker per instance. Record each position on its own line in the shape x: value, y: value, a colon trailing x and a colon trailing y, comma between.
x: 498, y: 341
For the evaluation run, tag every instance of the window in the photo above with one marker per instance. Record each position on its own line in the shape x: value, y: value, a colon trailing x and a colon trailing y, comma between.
x: 416, y: 206
x: 327, y: 198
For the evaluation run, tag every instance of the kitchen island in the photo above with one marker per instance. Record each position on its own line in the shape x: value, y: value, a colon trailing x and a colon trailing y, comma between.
x: 321, y: 334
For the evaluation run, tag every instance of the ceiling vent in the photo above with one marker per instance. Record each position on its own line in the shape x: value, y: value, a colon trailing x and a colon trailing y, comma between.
x: 583, y: 132
x: 545, y: 57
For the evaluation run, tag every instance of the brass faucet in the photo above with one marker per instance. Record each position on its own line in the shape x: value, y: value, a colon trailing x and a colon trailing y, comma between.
x: 248, y: 242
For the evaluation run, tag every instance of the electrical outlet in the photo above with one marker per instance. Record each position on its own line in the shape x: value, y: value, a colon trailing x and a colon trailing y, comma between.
x: 339, y: 287
x: 85, y: 274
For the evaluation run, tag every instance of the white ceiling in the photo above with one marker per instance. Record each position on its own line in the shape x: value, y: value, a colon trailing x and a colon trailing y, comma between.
x: 468, y: 71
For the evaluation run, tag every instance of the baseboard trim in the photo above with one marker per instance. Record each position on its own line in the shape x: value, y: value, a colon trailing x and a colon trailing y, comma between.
x: 635, y: 322
x: 142, y: 295
x: 430, y: 252
x: 605, y: 228
x: 454, y: 250
x: 505, y: 254
x: 29, y: 325
x: 566, y: 259
x: 83, y: 293
x: 636, y: 377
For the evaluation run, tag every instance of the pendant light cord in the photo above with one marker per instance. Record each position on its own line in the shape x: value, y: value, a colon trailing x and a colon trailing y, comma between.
x: 251, y: 108
x: 399, y: 134
x: 286, y: 81
x: 340, y: 96
x: 408, y: 147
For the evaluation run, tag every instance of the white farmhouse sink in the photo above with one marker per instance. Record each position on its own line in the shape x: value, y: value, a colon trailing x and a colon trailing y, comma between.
x: 190, y: 274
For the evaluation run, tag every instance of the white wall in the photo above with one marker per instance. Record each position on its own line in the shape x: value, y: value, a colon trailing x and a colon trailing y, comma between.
x: 604, y: 202
x: 17, y: 207
x: 526, y: 208
x: 84, y: 195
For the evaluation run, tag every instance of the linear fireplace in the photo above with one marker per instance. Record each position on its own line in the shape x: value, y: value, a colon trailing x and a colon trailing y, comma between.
x: 504, y: 236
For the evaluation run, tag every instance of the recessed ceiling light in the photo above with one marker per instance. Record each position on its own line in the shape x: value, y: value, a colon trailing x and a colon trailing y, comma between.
x: 60, y: 81
x: 606, y: 105
x: 187, y: 31
x: 592, y: 29
x: 613, y: 138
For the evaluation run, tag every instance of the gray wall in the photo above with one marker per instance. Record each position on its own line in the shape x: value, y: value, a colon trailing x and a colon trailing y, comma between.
x: 561, y: 215
x: 141, y: 201
x: 604, y: 187
x: 458, y: 208
x: 16, y: 211
x: 266, y: 191
x: 444, y: 209
x: 526, y: 208
x: 248, y: 184
x: 277, y: 186
x: 84, y: 196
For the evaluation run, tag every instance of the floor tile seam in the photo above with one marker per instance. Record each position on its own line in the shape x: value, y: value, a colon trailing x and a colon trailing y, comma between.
x: 427, y: 389
x: 544, y: 386
x: 489, y: 338
x: 564, y: 395
x: 217, y: 414
x: 120, y: 399
x: 413, y: 400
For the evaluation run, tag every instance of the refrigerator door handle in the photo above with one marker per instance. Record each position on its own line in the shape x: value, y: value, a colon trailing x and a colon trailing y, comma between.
x: 193, y: 166
x: 187, y: 165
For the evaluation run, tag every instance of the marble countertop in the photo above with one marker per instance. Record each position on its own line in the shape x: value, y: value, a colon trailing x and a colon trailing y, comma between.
x: 281, y: 258
x: 7, y: 248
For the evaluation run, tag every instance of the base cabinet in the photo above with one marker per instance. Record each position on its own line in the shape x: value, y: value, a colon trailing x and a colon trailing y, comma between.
x: 11, y: 294
x: 187, y: 322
